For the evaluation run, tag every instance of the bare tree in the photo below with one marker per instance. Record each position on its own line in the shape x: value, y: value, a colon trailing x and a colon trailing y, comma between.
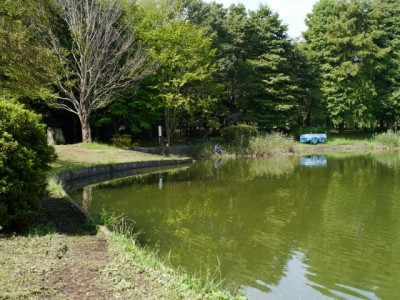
x: 103, y: 58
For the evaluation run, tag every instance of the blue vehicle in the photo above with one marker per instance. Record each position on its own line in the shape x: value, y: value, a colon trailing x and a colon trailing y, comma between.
x: 313, y: 138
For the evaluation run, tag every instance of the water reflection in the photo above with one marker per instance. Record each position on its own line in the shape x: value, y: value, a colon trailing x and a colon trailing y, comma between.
x: 313, y: 161
x: 218, y: 163
x: 277, y: 229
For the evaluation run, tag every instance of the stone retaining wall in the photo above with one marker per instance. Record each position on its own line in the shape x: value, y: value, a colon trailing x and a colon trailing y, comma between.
x: 116, y: 168
x: 173, y: 150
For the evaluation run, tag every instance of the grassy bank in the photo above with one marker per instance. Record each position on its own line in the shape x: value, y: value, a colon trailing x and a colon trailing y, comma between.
x: 274, y: 144
x: 86, y: 155
x: 64, y: 257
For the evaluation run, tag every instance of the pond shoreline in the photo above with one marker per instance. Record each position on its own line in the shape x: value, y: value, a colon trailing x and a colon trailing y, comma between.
x: 65, y: 255
x: 308, y: 149
x: 71, y: 245
x: 321, y: 148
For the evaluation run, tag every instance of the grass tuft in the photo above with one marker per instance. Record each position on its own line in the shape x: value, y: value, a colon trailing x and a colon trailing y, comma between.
x: 98, y: 146
x: 271, y: 144
x: 388, y: 139
x: 42, y: 229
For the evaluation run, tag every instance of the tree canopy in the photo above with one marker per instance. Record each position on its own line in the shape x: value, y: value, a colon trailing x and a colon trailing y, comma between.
x: 194, y: 65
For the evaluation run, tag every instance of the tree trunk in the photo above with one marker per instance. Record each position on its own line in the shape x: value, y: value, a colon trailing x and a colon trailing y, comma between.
x: 390, y: 124
x: 169, y: 124
x: 341, y: 128
x: 86, y: 131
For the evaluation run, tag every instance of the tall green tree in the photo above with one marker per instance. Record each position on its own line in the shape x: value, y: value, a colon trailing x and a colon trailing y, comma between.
x: 185, y: 57
x: 230, y: 39
x: 387, y: 14
x: 273, y: 102
x: 24, y: 60
x: 312, y: 110
x: 342, y: 38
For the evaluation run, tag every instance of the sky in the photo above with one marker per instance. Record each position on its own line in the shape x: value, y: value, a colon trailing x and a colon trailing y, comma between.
x: 292, y: 12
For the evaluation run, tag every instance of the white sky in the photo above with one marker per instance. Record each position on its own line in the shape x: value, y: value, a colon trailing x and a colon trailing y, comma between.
x: 292, y: 12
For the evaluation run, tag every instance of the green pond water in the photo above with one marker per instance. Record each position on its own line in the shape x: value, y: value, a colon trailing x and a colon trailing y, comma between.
x: 317, y: 227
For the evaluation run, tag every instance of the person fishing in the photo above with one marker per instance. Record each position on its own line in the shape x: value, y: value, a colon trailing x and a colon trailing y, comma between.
x: 218, y: 149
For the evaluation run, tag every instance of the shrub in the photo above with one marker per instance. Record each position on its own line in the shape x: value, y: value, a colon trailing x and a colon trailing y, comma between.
x: 271, y: 144
x: 24, y: 158
x: 388, y: 139
x: 238, y: 135
x: 121, y: 140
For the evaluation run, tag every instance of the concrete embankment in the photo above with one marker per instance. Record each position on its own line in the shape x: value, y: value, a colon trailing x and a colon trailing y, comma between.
x: 66, y: 176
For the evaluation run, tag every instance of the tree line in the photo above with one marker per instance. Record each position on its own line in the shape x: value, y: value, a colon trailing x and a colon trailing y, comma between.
x: 127, y: 66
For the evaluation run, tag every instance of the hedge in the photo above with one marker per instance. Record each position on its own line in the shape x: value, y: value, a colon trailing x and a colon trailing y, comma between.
x: 24, y: 158
x: 238, y: 135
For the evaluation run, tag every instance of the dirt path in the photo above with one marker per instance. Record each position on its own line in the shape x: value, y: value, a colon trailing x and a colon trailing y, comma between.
x: 77, y: 263
x: 67, y: 264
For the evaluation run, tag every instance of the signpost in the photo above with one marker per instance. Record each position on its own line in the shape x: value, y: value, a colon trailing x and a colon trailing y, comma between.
x: 160, y: 137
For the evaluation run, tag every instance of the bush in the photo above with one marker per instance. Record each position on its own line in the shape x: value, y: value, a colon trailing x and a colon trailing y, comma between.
x: 24, y: 158
x: 121, y: 140
x: 238, y: 135
x: 271, y: 144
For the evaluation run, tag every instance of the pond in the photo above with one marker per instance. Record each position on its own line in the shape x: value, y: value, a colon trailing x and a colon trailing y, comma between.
x: 315, y: 227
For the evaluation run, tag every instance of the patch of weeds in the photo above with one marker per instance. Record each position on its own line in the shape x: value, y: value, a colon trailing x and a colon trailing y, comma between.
x: 156, y: 275
x: 388, y: 139
x: 270, y: 144
x: 55, y: 188
x: 118, y: 224
x: 346, y: 141
x: 42, y: 229
x: 106, y: 219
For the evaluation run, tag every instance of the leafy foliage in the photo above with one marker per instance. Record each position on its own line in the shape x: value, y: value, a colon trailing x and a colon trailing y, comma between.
x: 238, y: 134
x: 24, y: 60
x: 121, y: 140
x: 186, y: 61
x: 273, y: 100
x: 342, y: 38
x: 24, y: 158
x: 387, y: 15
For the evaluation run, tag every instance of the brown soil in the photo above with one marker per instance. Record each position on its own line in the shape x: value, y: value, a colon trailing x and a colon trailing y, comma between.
x: 76, y: 262
x: 65, y: 265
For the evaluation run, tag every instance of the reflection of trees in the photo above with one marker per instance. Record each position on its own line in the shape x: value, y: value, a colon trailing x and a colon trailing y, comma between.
x: 86, y: 197
x: 390, y: 160
x: 361, y: 203
x: 334, y: 215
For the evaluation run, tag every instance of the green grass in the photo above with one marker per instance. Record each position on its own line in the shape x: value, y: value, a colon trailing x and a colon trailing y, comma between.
x: 347, y: 141
x: 77, y: 156
x: 99, y: 146
x: 173, y: 283
x: 132, y: 259
x: 388, y: 139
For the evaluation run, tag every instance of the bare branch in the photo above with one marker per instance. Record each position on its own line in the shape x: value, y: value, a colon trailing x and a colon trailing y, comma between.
x: 103, y: 58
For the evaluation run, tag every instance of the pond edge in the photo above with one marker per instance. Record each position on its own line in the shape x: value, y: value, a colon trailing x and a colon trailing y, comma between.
x: 81, y: 173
